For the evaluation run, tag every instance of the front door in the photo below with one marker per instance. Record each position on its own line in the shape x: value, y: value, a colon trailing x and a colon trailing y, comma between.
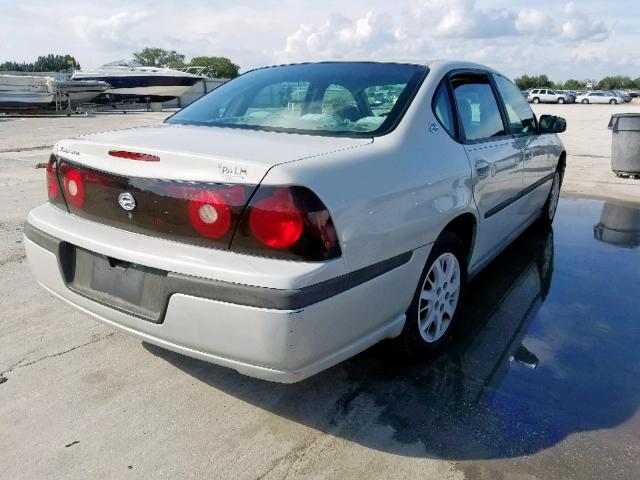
x: 538, y: 165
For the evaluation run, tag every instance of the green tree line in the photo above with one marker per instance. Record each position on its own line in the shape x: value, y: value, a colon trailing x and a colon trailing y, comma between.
x: 614, y: 82
x: 46, y: 63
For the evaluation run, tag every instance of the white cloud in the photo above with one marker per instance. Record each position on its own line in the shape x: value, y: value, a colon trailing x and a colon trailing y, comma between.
x: 116, y: 30
x: 534, y: 21
x: 581, y: 27
x: 340, y: 36
x: 515, y: 37
x: 461, y: 19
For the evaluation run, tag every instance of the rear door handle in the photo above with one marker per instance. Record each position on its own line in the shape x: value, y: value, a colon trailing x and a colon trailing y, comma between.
x: 483, y: 168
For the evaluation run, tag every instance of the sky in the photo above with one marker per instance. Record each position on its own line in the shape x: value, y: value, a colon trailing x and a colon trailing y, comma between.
x: 582, y: 39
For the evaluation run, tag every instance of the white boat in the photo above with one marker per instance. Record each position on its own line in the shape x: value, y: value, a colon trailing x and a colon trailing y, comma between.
x: 25, y: 91
x: 131, y: 79
x: 80, y: 91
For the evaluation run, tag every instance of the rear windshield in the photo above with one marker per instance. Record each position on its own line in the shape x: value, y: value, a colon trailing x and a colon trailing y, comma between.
x: 338, y: 99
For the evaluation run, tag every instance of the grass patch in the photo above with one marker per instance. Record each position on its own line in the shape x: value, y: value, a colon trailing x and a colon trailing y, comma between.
x: 41, y: 165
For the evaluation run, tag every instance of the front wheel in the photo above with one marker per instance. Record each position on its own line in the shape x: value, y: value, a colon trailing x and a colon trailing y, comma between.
x: 437, y: 299
x: 536, y: 100
x: 613, y: 101
x: 585, y: 101
x: 551, y: 205
x: 561, y: 100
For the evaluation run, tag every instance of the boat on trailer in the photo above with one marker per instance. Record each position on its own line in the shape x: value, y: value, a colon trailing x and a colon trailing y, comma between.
x: 80, y: 91
x: 25, y: 91
x: 133, y: 80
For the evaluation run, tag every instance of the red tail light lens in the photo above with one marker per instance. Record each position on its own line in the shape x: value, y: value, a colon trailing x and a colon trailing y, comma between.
x: 209, y: 213
x: 276, y: 221
x: 141, y: 157
x: 53, y: 188
x: 287, y: 222
x: 73, y: 187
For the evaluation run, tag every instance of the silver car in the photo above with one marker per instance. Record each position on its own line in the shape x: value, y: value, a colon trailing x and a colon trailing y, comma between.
x: 545, y: 95
x: 599, y: 97
x: 279, y: 233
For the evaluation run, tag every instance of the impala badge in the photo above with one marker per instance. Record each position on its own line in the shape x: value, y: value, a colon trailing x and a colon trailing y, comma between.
x: 126, y: 201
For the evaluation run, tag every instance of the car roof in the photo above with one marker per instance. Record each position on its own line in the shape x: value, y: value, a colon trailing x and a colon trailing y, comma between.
x: 432, y: 64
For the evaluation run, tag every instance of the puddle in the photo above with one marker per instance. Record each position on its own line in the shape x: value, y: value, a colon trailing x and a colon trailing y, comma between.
x: 547, y: 347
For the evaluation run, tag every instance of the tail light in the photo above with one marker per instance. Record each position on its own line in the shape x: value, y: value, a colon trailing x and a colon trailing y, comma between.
x: 74, y: 185
x: 53, y: 189
x: 281, y: 222
x: 276, y: 221
x: 53, y: 185
x: 141, y: 157
x: 210, y: 212
x: 287, y: 222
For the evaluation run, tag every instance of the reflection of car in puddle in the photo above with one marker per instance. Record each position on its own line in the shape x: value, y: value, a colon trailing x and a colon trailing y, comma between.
x: 619, y: 225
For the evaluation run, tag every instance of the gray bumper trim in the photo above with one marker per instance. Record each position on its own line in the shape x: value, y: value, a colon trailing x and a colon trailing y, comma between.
x: 262, y: 297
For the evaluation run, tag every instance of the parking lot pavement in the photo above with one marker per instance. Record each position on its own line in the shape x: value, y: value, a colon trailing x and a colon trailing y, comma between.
x: 540, y: 380
x: 588, y: 143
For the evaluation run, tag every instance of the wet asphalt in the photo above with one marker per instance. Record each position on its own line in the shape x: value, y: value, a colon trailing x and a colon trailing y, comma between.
x: 541, y: 379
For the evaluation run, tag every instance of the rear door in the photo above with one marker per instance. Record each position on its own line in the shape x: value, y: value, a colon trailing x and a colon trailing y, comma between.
x: 496, y: 162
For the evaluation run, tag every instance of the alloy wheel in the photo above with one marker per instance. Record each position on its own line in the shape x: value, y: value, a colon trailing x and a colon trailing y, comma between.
x: 439, y: 297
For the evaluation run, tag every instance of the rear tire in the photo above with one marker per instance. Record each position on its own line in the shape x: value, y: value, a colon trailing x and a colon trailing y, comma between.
x: 536, y: 100
x: 437, y: 300
x: 561, y: 100
x: 612, y: 101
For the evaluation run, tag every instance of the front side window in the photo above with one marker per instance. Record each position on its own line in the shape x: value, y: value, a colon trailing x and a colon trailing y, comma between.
x: 338, y: 99
x: 519, y: 113
x: 477, y: 107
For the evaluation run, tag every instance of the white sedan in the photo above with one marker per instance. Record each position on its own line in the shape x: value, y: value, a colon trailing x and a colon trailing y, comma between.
x: 598, y: 97
x: 299, y: 214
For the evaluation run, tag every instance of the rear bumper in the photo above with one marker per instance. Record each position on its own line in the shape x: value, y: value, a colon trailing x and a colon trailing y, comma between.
x: 275, y: 334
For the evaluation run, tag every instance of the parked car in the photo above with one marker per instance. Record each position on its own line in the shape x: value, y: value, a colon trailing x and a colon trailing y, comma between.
x: 542, y: 95
x: 598, y: 97
x: 279, y: 238
x: 620, y: 94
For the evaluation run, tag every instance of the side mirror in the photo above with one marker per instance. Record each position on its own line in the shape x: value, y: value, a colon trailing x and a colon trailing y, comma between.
x: 552, y: 124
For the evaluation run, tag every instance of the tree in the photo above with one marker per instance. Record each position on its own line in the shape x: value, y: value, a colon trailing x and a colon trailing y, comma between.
x: 573, y: 85
x: 525, y: 82
x: 47, y: 63
x: 54, y: 63
x: 615, y: 82
x: 218, y: 67
x: 159, y: 57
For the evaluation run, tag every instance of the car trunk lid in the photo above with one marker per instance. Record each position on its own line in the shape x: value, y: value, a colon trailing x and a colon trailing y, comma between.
x: 191, y: 183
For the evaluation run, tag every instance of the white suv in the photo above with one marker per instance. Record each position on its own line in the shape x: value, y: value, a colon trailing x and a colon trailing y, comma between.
x: 278, y: 233
x: 542, y: 95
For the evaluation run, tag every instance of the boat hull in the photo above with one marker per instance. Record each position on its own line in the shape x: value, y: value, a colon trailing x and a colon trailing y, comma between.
x: 24, y: 100
x: 153, y: 87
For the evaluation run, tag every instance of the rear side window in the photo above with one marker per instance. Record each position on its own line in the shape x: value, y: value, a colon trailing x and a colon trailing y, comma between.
x: 519, y: 113
x: 442, y: 109
x: 477, y: 106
